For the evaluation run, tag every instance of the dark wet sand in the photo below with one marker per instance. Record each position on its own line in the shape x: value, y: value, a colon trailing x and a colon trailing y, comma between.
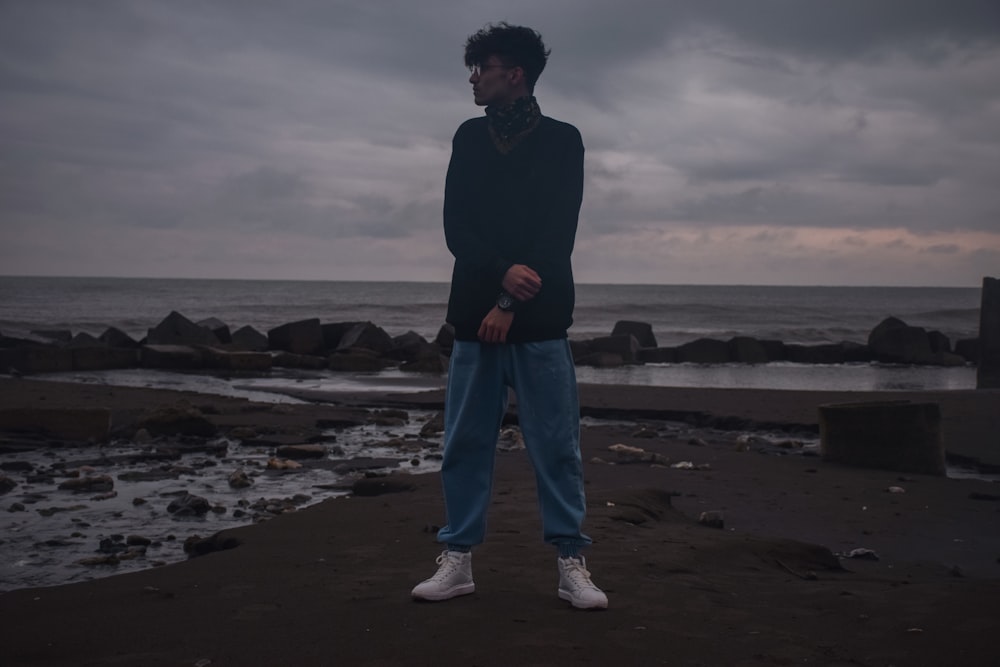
x: 330, y: 584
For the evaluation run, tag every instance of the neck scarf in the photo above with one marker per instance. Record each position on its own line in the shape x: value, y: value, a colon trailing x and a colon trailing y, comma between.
x: 511, y: 123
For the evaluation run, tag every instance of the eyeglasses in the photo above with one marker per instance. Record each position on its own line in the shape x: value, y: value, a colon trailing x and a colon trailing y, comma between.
x: 476, y: 70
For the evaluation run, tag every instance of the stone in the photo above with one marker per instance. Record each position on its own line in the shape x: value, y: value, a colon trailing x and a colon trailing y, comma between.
x: 630, y: 454
x: 6, y: 484
x: 248, y: 339
x: 171, y: 357
x: 410, y: 347
x: 657, y: 355
x: 175, y: 329
x: 625, y: 346
x: 601, y: 360
x: 292, y: 360
x: 988, y: 369
x: 84, y: 340
x: 367, y: 336
x: 104, y: 358
x: 704, y: 351
x: 180, y: 419
x: 433, y: 426
x: 236, y: 360
x: 333, y: 333
x: 436, y: 364
x: 301, y: 451
x: 712, y: 519
x: 189, y: 505
x: 356, y: 360
x: 113, y: 337
x: 88, y: 484
x: 238, y: 479
x: 278, y: 464
x: 894, y: 341
x: 63, y: 336
x: 217, y: 327
x: 968, y: 349
x: 198, y: 546
x: 641, y: 331
x: 35, y: 359
x: 445, y: 338
x: 893, y: 435
x: 938, y: 342
x: 747, y: 350
x: 302, y: 337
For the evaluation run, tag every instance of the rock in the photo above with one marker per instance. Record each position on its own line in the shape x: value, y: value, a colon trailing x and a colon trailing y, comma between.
x: 895, y: 489
x: 601, y: 360
x: 641, y: 331
x: 180, y: 419
x: 7, y: 484
x: 29, y: 360
x: 189, y: 505
x: 236, y: 360
x: 84, y: 339
x: 217, y: 327
x: 195, y: 545
x: 175, y: 329
x: 437, y: 364
x: 302, y: 337
x: 170, y: 357
x: 238, y: 479
x: 938, y: 342
x: 445, y: 338
x: 625, y: 346
x: 704, y: 351
x: 629, y: 454
x: 334, y: 332
x: 860, y: 553
x: 657, y: 355
x: 355, y: 360
x: 301, y: 451
x: 894, y: 435
x: 63, y: 336
x: 104, y: 358
x: 433, y: 426
x: 278, y: 464
x: 712, y: 519
x: 968, y: 349
x: 291, y: 360
x: 747, y: 350
x: 138, y: 541
x: 894, y: 341
x: 88, y: 484
x: 248, y: 339
x: 113, y: 337
x: 409, y: 347
x: 366, y: 336
x: 683, y: 465
x: 510, y: 439
x: 110, y: 559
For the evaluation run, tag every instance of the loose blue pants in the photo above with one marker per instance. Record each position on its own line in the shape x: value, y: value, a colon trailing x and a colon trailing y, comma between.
x: 543, y: 377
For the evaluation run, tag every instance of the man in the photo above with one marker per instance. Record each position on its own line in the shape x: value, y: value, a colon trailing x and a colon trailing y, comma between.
x: 512, y: 198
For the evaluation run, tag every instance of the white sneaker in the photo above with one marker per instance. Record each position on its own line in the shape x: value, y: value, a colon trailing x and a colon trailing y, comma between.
x: 576, y: 587
x: 453, y: 578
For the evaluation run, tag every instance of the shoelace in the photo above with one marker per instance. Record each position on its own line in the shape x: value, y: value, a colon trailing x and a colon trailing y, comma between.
x: 578, y: 575
x: 447, y: 566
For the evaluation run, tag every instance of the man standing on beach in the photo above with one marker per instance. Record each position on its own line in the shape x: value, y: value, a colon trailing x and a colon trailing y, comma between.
x: 512, y: 198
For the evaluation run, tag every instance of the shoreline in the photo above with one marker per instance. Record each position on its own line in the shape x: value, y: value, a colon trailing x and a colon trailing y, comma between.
x: 332, y: 581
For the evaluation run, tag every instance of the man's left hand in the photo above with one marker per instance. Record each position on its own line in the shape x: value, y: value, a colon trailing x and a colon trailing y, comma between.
x: 495, y: 326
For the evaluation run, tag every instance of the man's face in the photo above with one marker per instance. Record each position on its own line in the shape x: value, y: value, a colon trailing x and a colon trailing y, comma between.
x: 491, y: 83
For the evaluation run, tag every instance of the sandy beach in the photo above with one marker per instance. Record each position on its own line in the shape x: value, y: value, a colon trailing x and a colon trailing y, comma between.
x: 330, y: 584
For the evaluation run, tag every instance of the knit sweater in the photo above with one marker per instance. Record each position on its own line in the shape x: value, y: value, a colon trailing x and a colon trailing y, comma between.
x: 515, y: 208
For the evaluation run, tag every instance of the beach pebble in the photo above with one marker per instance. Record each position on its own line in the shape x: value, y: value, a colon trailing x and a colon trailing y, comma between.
x: 278, y: 464
x: 238, y: 479
x: 895, y: 489
x: 860, y: 554
x: 712, y: 519
x: 697, y: 442
x: 6, y: 484
x: 189, y: 505
x: 683, y: 465
x: 88, y: 484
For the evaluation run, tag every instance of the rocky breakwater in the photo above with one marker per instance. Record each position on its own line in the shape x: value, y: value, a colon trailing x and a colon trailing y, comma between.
x: 891, y: 341
x: 167, y: 479
x: 178, y: 343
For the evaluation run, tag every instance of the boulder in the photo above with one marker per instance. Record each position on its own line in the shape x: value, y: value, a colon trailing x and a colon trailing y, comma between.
x: 33, y: 359
x: 704, y: 351
x: 410, y: 347
x: 302, y: 337
x: 334, y: 332
x: 601, y: 360
x: 63, y: 336
x: 446, y: 337
x: 365, y: 336
x: 236, y: 360
x: 747, y: 350
x: 625, y: 346
x: 175, y: 329
x: 88, y: 484
x: 290, y: 360
x: 938, y: 342
x: 358, y: 360
x: 657, y: 355
x: 6, y: 484
x: 172, y: 357
x: 83, y: 340
x: 430, y: 364
x: 248, y: 339
x: 238, y: 479
x: 894, y: 435
x: 217, y: 327
x: 642, y: 331
x: 826, y: 353
x: 894, y: 341
x: 180, y: 419
x: 113, y: 337
x: 189, y: 505
x: 968, y: 349
x: 103, y: 358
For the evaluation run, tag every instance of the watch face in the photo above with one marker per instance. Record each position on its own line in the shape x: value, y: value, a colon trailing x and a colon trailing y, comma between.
x: 505, y: 302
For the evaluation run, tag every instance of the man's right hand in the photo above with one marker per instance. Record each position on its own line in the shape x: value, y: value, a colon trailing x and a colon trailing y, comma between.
x: 522, y: 282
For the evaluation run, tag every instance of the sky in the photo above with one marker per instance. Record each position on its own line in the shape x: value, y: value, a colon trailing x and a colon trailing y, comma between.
x: 799, y: 142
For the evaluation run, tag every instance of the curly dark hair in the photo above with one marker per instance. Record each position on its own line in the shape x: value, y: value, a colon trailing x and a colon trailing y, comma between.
x: 514, y: 45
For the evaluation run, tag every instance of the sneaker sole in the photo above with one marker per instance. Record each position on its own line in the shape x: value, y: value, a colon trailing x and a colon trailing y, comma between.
x: 580, y: 604
x: 454, y: 592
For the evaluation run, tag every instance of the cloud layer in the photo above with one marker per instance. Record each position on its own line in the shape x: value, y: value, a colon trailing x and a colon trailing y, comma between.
x: 779, y: 141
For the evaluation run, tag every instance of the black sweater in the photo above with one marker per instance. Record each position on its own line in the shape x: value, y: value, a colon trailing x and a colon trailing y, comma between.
x: 518, y: 208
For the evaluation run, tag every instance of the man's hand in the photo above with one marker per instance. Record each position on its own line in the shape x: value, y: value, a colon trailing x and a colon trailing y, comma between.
x: 521, y: 282
x: 495, y: 326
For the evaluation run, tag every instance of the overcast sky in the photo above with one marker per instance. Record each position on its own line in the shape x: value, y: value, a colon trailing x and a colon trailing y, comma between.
x: 834, y: 142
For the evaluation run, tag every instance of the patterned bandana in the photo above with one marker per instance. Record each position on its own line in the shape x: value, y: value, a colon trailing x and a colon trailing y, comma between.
x: 511, y: 123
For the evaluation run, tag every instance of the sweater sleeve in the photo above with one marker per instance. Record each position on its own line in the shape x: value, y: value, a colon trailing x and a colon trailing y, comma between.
x: 462, y: 234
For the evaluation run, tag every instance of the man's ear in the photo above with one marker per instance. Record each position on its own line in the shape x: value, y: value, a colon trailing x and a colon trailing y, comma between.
x: 516, y: 75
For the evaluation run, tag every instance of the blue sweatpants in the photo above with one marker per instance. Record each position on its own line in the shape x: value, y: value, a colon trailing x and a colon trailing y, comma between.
x: 543, y: 377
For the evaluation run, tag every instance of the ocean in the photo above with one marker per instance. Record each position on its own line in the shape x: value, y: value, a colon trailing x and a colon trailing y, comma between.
x: 677, y: 313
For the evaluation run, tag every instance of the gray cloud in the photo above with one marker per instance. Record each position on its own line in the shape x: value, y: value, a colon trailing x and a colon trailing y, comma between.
x: 325, y: 125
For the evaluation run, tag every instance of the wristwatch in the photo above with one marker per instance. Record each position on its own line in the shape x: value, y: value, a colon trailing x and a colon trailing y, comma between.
x: 505, y: 302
